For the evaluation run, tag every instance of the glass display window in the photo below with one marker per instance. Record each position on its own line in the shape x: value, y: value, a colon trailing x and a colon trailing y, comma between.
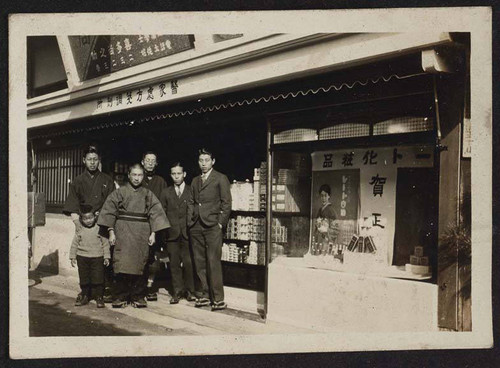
x: 363, y: 208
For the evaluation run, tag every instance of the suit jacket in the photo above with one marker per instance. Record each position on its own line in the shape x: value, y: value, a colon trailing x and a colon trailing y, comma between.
x: 211, y: 201
x: 176, y: 210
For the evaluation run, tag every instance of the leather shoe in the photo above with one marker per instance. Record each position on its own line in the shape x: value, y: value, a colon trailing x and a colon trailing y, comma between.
x: 174, y: 300
x: 190, y: 297
x: 100, y: 302
x: 153, y: 297
x: 81, y: 300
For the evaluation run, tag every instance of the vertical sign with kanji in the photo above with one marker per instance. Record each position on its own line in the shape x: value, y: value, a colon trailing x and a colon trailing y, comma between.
x: 372, y: 189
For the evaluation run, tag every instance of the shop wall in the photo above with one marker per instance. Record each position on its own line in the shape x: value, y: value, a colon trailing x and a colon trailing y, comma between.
x: 51, y: 244
x: 340, y: 301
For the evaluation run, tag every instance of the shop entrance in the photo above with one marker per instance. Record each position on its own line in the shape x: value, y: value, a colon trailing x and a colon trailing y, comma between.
x: 416, y: 214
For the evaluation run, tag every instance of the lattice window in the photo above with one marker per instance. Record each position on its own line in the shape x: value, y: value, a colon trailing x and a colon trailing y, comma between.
x: 296, y: 135
x: 346, y: 130
x: 55, y: 170
x: 406, y: 124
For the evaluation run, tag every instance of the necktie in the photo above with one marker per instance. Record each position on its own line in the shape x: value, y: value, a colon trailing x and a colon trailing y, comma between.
x: 203, y: 178
x: 178, y: 190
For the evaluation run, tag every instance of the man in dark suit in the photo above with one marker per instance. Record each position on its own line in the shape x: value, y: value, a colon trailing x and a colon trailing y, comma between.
x: 175, y: 201
x: 208, y: 214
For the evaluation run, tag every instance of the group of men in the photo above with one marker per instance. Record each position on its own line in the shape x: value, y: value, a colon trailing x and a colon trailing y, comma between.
x: 146, y: 221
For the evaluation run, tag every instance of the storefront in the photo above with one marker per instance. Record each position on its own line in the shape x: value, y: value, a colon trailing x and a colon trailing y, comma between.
x: 337, y: 172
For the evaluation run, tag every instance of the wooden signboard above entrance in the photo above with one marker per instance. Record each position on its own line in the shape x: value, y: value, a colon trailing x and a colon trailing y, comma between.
x: 100, y: 55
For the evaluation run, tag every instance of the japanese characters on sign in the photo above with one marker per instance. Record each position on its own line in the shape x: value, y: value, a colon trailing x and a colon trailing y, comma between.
x: 377, y: 169
x: 141, y: 95
x: 99, y: 55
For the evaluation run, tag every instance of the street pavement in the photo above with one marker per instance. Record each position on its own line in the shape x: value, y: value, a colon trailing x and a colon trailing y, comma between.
x: 52, y: 313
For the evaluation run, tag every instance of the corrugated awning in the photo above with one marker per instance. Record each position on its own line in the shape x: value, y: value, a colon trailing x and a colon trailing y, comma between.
x: 238, y: 102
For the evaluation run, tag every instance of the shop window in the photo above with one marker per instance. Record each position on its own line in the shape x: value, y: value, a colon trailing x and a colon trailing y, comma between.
x: 352, y: 208
x: 407, y: 124
x: 46, y: 73
x: 296, y: 135
x: 346, y: 130
x: 55, y: 169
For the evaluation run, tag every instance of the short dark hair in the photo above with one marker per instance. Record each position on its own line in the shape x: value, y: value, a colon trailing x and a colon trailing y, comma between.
x: 204, y: 151
x: 149, y: 153
x: 325, y: 188
x: 135, y: 166
x: 91, y: 149
x: 85, y: 208
x: 177, y: 163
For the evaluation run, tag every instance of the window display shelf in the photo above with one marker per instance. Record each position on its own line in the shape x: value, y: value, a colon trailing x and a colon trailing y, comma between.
x: 245, y: 241
x: 244, y: 275
x: 248, y: 213
x: 244, y: 265
x: 290, y: 214
x: 326, y: 263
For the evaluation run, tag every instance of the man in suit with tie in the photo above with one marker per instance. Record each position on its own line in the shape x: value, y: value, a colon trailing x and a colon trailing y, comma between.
x: 208, y: 215
x: 175, y: 200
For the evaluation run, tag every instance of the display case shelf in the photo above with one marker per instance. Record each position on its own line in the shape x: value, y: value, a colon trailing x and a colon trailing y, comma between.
x: 244, y: 275
x: 242, y: 240
x: 289, y: 214
x: 248, y: 213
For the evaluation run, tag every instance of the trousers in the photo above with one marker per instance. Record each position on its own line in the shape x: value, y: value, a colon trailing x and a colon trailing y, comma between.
x: 207, y: 252
x: 91, y: 274
x: 182, y: 276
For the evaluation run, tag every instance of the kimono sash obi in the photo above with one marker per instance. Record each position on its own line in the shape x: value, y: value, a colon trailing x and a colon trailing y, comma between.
x: 132, y: 216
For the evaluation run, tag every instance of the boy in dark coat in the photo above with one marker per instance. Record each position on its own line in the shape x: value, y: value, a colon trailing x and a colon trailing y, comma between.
x: 133, y: 215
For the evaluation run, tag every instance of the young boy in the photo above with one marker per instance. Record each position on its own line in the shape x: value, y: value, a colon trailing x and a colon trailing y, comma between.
x: 132, y: 214
x: 91, y: 252
x: 175, y: 200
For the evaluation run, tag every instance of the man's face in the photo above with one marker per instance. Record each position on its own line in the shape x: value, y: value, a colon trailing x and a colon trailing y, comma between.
x: 88, y: 219
x: 149, y: 162
x: 135, y: 176
x: 206, y: 162
x: 325, y: 197
x: 91, y: 161
x: 177, y: 174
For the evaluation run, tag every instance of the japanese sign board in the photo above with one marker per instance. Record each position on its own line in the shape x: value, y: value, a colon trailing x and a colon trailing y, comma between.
x: 378, y: 168
x: 139, y: 96
x: 100, y: 55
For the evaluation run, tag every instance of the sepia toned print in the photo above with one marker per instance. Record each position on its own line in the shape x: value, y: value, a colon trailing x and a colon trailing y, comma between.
x: 344, y: 207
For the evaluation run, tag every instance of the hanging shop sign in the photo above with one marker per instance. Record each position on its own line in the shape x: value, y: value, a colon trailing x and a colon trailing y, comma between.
x: 363, y: 190
x: 96, y: 56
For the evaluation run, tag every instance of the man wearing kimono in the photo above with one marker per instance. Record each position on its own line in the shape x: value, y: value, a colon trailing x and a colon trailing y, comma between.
x: 133, y: 215
x: 156, y: 184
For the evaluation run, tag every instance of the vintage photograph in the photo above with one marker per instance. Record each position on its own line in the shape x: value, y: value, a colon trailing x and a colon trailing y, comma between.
x: 188, y: 185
